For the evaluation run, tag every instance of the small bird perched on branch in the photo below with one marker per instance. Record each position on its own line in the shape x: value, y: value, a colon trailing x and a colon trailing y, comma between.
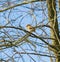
x: 30, y: 28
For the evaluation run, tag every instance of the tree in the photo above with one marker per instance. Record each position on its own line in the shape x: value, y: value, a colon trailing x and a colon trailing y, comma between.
x: 17, y: 44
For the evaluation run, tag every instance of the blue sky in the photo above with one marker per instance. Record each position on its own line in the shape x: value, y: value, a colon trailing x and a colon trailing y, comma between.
x: 22, y: 15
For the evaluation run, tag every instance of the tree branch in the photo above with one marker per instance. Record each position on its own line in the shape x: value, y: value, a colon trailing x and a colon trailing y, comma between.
x: 23, y: 3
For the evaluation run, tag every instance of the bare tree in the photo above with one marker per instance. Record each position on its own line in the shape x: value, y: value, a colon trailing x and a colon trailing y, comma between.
x: 29, y: 30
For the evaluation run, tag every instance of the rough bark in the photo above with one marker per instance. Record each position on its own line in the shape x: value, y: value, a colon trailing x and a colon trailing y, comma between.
x: 52, y: 14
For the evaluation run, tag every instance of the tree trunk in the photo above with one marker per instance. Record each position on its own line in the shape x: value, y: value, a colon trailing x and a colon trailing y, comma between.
x: 54, y: 24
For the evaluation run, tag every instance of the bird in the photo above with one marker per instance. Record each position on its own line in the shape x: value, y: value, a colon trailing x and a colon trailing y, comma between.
x: 30, y: 28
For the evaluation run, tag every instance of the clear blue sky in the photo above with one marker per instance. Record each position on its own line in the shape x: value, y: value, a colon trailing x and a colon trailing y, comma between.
x: 25, y: 16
